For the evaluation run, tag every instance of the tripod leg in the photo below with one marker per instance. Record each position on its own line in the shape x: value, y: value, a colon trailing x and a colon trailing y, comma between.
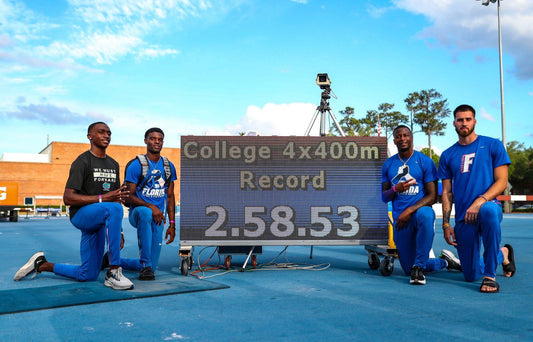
x: 336, y: 123
x: 311, y: 123
x: 322, y: 124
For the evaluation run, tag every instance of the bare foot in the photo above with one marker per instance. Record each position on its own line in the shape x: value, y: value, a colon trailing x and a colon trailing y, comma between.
x: 489, y: 289
x: 505, y: 252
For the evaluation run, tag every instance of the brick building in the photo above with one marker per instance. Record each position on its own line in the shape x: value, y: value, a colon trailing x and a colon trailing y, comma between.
x: 46, y: 173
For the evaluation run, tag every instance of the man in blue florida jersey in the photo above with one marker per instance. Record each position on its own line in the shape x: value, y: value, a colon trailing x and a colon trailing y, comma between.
x: 95, y: 198
x: 474, y: 171
x: 409, y: 181
x: 150, y: 180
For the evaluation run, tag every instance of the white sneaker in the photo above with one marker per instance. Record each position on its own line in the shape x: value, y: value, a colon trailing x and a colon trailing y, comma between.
x: 31, y: 266
x: 417, y: 276
x: 116, y: 280
x: 451, y: 259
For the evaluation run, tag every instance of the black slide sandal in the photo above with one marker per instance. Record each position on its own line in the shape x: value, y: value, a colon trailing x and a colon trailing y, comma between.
x: 490, y: 283
x: 510, y: 267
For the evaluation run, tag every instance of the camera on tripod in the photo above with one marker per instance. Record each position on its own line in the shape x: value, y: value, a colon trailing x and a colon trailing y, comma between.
x: 323, y: 81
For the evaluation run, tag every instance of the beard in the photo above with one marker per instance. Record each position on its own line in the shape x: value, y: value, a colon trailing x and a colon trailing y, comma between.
x: 465, y: 133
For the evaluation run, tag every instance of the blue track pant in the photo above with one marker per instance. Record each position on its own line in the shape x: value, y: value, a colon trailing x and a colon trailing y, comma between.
x: 98, y: 223
x: 469, y: 238
x: 414, y: 242
x: 149, y: 238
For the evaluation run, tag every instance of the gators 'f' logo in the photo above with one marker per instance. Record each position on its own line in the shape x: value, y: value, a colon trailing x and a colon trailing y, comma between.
x: 467, y: 161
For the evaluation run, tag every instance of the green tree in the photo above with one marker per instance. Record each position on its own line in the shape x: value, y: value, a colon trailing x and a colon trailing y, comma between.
x: 521, y: 168
x: 428, y: 111
x: 351, y: 125
x: 410, y: 103
x: 434, y: 157
x: 388, y: 117
x: 369, y: 124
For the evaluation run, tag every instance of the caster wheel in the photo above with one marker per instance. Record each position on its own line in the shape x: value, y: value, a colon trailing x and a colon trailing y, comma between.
x: 185, y: 266
x: 386, y: 266
x: 254, y: 261
x: 373, y: 261
x: 227, y: 262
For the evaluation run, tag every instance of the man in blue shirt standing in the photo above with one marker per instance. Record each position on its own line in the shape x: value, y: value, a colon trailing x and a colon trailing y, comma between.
x: 409, y: 181
x: 474, y: 172
x: 150, y: 180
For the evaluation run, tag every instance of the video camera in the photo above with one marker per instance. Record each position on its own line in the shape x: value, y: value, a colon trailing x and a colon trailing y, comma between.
x: 323, y: 81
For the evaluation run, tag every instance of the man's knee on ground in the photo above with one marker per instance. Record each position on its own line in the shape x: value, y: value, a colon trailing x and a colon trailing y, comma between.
x: 85, y: 276
x: 470, y: 277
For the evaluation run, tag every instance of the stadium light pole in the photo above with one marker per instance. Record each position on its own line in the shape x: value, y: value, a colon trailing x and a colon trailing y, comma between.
x: 502, y: 101
x: 506, y: 204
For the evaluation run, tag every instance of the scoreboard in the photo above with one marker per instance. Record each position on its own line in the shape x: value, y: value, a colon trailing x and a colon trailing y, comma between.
x: 282, y: 190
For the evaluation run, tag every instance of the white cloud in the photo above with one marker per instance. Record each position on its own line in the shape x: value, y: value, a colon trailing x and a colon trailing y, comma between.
x: 21, y: 62
x: 96, y: 116
x: 122, y: 11
x: 50, y: 90
x: 103, y: 47
x: 467, y: 25
x: 155, y: 51
x: 280, y: 119
x: 5, y: 40
x: 111, y: 29
x: 376, y: 12
x: 44, y: 112
x: 16, y: 80
x: 102, y: 31
x: 486, y: 115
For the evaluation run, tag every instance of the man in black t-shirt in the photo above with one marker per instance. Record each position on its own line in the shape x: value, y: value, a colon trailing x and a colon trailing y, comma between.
x: 95, y: 197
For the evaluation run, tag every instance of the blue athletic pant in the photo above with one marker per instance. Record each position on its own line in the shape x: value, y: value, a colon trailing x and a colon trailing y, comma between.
x: 149, y: 239
x: 414, y: 242
x: 98, y: 223
x: 469, y: 238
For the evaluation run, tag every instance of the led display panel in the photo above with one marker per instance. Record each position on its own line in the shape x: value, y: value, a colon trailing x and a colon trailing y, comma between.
x: 282, y: 190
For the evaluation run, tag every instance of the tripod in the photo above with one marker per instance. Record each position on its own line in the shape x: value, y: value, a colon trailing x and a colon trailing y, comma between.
x: 322, y: 109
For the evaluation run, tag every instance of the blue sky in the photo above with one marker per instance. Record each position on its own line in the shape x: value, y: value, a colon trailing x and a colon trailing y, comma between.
x: 195, y: 67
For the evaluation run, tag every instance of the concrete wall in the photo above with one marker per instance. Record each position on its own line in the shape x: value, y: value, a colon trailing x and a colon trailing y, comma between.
x: 49, y: 179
